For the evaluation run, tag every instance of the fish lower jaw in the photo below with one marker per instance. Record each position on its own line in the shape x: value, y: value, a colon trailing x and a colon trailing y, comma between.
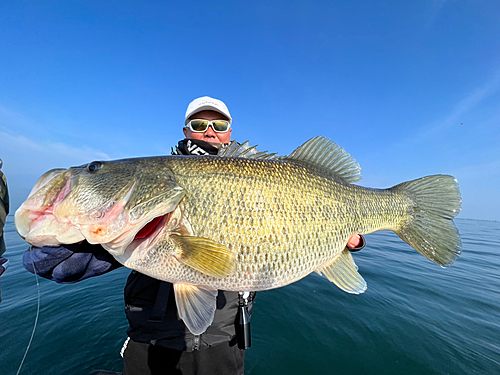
x: 43, y: 229
x: 26, y: 221
x: 42, y: 239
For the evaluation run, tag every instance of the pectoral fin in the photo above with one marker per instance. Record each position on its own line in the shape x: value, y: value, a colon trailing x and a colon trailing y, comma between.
x: 196, y: 306
x: 343, y: 272
x: 204, y: 255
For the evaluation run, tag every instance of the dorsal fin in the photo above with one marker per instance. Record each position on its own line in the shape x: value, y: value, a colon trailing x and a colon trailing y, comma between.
x: 322, y: 153
x: 244, y: 150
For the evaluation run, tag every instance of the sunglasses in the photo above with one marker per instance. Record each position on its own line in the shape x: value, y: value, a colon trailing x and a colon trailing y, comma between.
x: 200, y: 126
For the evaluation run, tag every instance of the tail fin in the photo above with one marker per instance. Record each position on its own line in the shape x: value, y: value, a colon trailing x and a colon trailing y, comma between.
x: 430, y: 229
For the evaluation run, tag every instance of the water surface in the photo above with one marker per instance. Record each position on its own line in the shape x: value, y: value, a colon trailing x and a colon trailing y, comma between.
x: 414, y: 318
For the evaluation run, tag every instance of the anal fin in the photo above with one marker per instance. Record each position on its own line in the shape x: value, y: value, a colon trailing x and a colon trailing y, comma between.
x: 196, y: 306
x: 343, y: 272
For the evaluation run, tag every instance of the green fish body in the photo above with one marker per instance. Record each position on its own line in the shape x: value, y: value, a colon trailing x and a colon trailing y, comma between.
x: 238, y: 222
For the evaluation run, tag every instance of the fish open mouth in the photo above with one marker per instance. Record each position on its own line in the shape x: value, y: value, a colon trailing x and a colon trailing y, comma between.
x: 151, y: 229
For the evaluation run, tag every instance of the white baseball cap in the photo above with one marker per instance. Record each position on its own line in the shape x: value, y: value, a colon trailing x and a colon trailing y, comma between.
x: 206, y: 103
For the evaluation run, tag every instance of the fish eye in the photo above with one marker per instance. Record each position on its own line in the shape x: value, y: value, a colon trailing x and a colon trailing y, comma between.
x: 94, y: 166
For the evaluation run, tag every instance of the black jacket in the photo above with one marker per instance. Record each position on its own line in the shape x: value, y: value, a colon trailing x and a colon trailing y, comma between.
x: 151, y: 321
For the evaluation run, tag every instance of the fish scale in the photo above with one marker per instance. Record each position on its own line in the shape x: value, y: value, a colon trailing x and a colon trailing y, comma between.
x: 300, y: 219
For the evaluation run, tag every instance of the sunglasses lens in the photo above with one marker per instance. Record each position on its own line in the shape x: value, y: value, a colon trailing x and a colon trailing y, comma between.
x: 199, y: 125
x: 220, y: 125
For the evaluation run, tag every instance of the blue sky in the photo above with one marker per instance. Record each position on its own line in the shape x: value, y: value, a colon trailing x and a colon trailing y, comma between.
x: 408, y: 88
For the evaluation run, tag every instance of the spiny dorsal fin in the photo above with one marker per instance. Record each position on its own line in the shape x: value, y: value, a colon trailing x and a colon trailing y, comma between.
x: 244, y: 150
x: 343, y: 272
x: 322, y: 153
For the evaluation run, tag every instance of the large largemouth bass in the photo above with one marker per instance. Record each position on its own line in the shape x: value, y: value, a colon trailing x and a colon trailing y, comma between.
x: 237, y: 223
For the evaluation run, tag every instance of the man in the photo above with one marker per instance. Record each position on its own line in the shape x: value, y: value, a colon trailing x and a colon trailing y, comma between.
x: 159, y: 341
x: 207, y: 128
x: 4, y: 211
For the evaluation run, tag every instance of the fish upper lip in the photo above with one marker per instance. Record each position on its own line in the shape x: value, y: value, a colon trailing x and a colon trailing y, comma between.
x: 28, y: 214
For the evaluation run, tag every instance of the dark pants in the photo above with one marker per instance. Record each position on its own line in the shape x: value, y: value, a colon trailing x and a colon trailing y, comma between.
x: 147, y: 359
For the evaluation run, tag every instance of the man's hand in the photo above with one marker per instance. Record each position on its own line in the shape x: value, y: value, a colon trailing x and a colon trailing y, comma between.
x: 69, y: 263
x: 356, y: 242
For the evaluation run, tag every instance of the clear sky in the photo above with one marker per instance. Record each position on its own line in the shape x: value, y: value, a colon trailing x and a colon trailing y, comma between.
x: 409, y: 88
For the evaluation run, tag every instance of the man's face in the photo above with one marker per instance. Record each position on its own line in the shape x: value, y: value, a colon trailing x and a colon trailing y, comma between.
x: 209, y: 135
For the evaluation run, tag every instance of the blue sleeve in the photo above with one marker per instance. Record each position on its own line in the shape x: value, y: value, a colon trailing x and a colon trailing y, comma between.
x: 69, y: 263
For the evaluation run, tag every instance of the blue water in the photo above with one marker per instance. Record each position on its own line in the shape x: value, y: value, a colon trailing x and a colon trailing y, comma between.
x: 415, y: 317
